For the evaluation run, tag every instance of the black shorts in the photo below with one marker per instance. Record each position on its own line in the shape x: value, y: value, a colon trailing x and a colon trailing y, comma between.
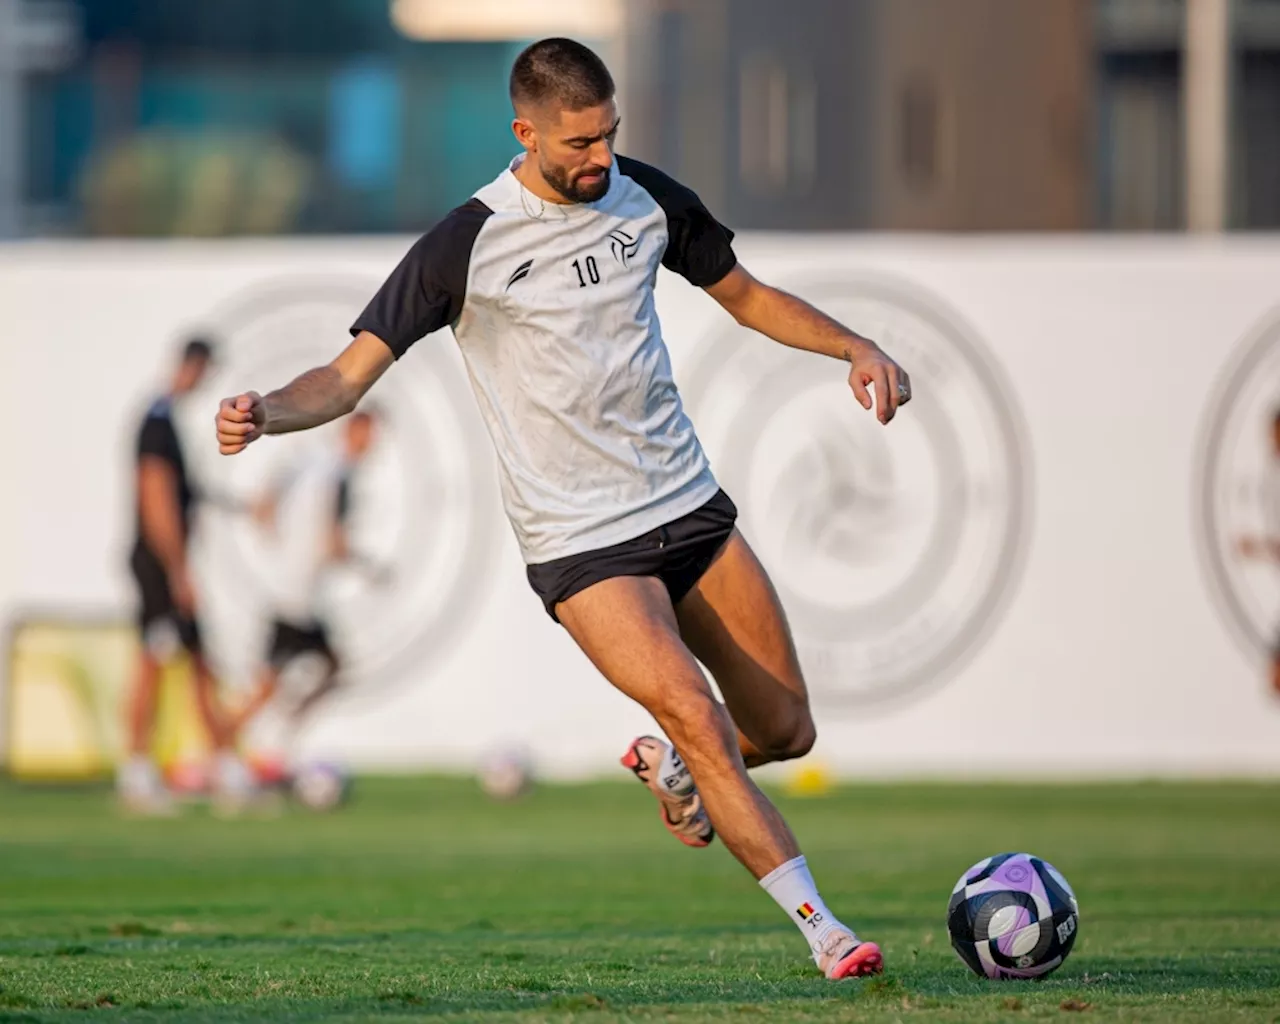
x: 289, y: 640
x: 677, y: 553
x: 158, y: 620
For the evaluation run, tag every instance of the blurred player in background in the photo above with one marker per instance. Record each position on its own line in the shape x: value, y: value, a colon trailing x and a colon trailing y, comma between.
x: 1266, y: 547
x: 307, y: 511
x: 546, y: 277
x: 167, y: 620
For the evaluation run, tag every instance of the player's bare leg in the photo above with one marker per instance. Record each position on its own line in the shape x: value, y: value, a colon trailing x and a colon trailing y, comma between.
x: 138, y: 784
x: 268, y: 686
x: 142, y: 704
x: 628, y: 628
x: 323, y: 689
x: 264, y: 692
x: 734, y: 624
x: 234, y: 787
x: 327, y: 684
x: 211, y: 714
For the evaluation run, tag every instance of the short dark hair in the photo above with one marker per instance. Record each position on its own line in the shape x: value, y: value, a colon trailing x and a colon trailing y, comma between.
x: 561, y: 70
x: 197, y: 348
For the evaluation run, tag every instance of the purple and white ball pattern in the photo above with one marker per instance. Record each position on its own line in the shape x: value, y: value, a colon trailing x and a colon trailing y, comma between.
x: 320, y: 786
x: 1013, y: 916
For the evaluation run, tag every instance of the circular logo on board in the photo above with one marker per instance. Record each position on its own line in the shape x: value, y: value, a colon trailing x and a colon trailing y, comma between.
x: 420, y: 504
x: 893, y: 548
x: 1237, y: 490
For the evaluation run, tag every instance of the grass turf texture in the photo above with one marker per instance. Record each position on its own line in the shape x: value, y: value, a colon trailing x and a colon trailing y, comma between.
x: 424, y: 899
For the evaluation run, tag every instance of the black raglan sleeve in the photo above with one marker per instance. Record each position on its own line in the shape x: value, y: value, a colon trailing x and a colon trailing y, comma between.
x: 426, y: 291
x: 699, y: 247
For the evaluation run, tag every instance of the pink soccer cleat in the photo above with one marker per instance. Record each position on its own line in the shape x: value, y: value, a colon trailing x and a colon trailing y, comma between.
x: 845, y: 956
x: 659, y: 767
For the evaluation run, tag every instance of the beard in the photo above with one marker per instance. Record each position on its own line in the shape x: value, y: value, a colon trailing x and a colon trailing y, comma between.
x: 558, y: 179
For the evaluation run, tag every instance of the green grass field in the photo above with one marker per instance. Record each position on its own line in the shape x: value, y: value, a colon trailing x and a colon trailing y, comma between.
x: 424, y: 900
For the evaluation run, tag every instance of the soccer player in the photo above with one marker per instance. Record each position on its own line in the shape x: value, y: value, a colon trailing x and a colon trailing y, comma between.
x: 308, y: 513
x: 167, y: 618
x: 546, y: 276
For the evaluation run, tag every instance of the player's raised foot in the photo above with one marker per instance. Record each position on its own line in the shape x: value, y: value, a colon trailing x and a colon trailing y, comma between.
x: 846, y: 956
x: 656, y: 764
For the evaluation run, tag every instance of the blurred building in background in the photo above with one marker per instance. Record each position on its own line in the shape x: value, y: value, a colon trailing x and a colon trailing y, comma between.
x: 876, y: 114
x: 180, y: 117
x: 1140, y: 146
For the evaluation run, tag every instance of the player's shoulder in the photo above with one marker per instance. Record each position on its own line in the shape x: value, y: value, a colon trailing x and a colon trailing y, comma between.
x: 462, y: 219
x: 160, y: 410
x: 157, y: 434
x: 473, y: 210
x: 456, y: 231
x: 658, y: 183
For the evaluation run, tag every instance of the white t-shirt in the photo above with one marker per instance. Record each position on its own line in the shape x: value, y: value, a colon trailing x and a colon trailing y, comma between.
x: 552, y: 307
x: 312, y: 500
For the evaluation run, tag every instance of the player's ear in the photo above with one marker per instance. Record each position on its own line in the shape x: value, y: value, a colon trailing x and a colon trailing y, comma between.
x: 525, y: 134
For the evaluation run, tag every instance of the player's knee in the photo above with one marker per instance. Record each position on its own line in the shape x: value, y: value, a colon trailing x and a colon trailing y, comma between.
x: 803, y: 737
x: 793, y: 736
x: 692, y: 719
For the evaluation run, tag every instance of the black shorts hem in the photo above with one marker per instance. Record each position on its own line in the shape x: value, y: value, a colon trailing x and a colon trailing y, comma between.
x: 290, y: 640
x: 157, y: 613
x: 677, y: 553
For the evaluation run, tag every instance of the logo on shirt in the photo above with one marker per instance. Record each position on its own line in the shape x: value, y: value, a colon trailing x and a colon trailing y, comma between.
x: 624, y: 246
x: 895, y: 551
x: 521, y: 273
x: 1237, y: 491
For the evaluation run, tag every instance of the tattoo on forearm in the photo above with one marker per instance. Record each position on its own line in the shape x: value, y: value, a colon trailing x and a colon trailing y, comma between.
x: 803, y: 326
x: 315, y: 397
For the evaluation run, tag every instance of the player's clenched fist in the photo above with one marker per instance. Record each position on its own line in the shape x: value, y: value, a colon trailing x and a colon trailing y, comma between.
x: 240, y: 421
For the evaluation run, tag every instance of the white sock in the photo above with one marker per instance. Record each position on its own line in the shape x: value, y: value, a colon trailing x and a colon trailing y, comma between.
x: 792, y: 888
x: 231, y: 775
x: 138, y: 774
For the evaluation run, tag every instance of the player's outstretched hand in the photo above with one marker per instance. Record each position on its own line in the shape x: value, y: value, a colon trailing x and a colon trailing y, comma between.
x: 239, y: 422
x: 872, y: 368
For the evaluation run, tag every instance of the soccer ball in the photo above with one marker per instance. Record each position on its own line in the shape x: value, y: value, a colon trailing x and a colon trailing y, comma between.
x: 1013, y: 916
x: 320, y: 786
x: 506, y: 774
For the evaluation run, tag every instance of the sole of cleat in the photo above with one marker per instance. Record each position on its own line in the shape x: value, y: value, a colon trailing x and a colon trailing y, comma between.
x: 860, y: 962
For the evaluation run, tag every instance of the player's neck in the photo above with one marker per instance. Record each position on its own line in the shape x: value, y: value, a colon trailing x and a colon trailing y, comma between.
x: 531, y: 178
